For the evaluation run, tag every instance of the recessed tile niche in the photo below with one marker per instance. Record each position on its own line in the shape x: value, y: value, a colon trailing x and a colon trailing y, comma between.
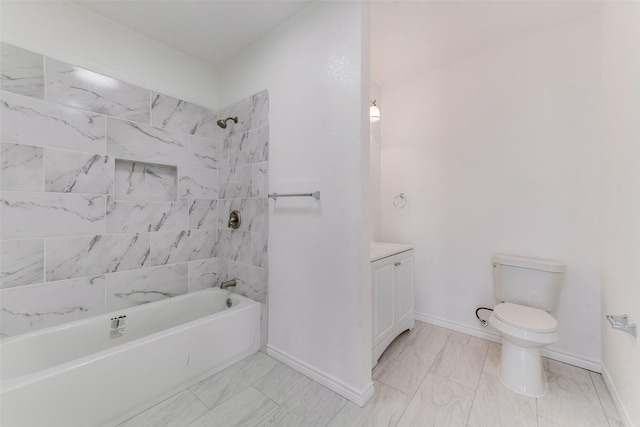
x: 150, y: 182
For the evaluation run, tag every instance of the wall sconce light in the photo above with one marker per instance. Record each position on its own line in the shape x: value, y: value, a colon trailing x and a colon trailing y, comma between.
x: 374, y: 112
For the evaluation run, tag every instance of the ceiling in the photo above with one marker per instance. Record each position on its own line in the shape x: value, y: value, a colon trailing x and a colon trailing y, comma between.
x: 412, y: 37
x: 212, y: 31
x: 407, y: 37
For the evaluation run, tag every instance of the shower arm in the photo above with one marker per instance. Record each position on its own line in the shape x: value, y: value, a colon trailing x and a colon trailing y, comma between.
x: 223, y: 122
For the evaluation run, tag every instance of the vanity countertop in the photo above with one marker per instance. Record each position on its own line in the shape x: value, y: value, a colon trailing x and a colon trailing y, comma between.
x: 381, y: 250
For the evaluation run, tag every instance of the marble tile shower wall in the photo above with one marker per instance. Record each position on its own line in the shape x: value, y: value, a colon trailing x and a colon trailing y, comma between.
x: 113, y: 195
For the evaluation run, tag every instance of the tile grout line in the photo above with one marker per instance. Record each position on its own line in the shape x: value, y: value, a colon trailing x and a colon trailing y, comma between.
x: 199, y: 400
x: 598, y: 395
x: 606, y: 417
x: 265, y: 416
x: 475, y: 392
x: 413, y: 395
x: 424, y: 379
x: 344, y: 405
x: 393, y: 388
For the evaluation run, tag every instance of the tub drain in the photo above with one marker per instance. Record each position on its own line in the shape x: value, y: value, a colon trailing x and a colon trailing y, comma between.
x: 229, y: 302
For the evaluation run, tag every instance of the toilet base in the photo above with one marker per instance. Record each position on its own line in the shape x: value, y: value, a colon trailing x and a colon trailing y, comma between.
x: 521, y: 369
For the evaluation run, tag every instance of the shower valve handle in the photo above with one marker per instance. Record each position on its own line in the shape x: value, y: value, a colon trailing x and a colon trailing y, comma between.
x: 234, y: 220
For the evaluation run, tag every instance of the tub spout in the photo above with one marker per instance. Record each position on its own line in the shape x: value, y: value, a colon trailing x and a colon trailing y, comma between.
x: 228, y: 284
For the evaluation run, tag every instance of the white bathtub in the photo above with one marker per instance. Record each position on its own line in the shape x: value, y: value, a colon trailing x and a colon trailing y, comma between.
x: 76, y: 375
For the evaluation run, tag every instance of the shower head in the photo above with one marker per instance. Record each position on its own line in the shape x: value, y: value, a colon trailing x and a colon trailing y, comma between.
x: 223, y: 122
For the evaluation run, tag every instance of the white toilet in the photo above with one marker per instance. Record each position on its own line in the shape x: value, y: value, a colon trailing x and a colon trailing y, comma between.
x: 529, y: 288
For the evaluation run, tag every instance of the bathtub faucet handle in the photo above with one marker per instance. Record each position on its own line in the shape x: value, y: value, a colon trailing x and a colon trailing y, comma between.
x: 228, y: 284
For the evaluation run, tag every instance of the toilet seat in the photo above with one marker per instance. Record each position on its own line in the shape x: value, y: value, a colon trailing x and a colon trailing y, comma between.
x: 526, y: 318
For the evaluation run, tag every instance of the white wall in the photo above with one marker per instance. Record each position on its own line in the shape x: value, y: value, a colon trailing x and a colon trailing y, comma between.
x: 375, y: 149
x: 316, y: 69
x: 500, y: 154
x: 73, y: 34
x: 621, y: 202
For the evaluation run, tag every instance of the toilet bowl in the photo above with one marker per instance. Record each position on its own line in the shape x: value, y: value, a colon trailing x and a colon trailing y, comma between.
x: 525, y: 330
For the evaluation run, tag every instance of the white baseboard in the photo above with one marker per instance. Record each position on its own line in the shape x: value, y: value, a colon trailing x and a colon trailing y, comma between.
x: 615, y: 396
x: 485, y: 334
x: 359, y: 397
x: 491, y: 335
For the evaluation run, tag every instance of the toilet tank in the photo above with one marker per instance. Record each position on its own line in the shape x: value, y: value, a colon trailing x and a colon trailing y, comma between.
x: 528, y: 281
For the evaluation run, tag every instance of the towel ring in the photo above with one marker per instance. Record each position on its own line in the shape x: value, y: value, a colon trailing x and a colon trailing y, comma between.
x: 400, y: 201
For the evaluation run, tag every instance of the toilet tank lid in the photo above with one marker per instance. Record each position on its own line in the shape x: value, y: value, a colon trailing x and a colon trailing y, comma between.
x: 532, y: 263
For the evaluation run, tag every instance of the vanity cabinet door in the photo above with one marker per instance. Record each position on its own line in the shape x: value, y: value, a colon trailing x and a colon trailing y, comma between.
x: 384, y: 311
x: 404, y: 286
x: 392, y: 300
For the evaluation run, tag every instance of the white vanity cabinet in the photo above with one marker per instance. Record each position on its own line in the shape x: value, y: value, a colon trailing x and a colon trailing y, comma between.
x: 392, y: 297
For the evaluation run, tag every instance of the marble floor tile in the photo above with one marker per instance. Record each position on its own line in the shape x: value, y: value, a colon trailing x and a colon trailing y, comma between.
x: 225, y: 384
x: 406, y: 370
x: 492, y: 361
x: 459, y: 337
x: 608, y: 406
x: 384, y: 409
x: 395, y: 345
x: 245, y: 409
x: 313, y: 407
x: 413, y: 388
x: 542, y: 422
x: 460, y: 363
x: 495, y: 405
x: 615, y: 423
x: 479, y: 343
x: 438, y: 402
x: 428, y: 337
x: 282, y: 383
x: 566, y: 370
x: 177, y: 411
x: 571, y: 402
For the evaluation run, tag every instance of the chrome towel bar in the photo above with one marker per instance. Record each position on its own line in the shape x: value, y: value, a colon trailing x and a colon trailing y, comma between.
x: 315, y: 195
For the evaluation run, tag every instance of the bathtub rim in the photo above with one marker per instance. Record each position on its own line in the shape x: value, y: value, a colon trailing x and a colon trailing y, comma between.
x: 11, y: 383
